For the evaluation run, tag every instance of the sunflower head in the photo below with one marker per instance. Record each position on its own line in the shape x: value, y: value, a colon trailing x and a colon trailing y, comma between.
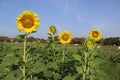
x: 27, y: 21
x: 95, y: 35
x: 65, y: 37
x: 52, y: 30
x: 90, y: 44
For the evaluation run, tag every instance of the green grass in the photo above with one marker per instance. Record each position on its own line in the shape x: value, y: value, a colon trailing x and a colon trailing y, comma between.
x: 110, y: 49
x: 108, y: 57
x: 110, y: 65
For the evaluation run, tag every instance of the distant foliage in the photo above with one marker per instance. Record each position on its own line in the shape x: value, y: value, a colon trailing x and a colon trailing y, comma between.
x: 104, y: 41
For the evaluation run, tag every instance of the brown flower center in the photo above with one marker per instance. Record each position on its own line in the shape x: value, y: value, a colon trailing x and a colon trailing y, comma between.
x: 27, y: 21
x: 65, y: 37
x: 95, y: 34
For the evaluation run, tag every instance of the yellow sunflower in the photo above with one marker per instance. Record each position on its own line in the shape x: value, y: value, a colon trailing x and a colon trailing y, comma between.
x: 28, y: 21
x: 65, y: 37
x: 90, y: 44
x: 95, y: 35
x: 52, y: 30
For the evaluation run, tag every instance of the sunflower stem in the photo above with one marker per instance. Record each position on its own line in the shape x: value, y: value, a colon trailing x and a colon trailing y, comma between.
x: 24, y: 57
x: 85, y: 67
x: 63, y: 58
x: 53, y: 46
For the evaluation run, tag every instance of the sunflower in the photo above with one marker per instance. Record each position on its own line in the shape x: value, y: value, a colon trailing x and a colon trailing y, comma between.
x: 65, y: 37
x: 28, y: 21
x: 95, y: 35
x: 90, y: 44
x: 52, y: 30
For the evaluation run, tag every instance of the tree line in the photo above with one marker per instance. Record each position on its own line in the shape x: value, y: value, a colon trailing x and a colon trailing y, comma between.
x: 104, y: 41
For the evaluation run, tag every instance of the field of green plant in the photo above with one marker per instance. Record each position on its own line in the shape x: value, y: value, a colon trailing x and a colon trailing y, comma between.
x: 45, y: 63
x: 56, y: 59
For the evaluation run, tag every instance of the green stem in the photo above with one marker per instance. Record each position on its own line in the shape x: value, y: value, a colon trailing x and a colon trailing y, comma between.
x: 63, y: 58
x: 53, y: 46
x: 88, y: 64
x: 88, y: 70
x: 85, y: 67
x: 24, y: 57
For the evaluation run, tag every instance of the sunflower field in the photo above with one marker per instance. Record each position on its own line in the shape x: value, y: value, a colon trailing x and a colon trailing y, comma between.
x: 57, y: 59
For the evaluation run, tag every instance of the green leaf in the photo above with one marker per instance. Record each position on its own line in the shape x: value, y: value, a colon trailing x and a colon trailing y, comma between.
x: 35, y: 78
x: 79, y: 69
x: 28, y: 79
x: 68, y: 78
x: 4, y: 71
x: 95, y: 62
x: 48, y: 73
x: 52, y: 65
x: 9, y: 60
x: 56, y: 76
x: 77, y: 57
x: 38, y: 66
x: 14, y: 75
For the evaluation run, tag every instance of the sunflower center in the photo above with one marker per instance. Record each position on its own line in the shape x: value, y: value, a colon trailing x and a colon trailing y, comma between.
x: 65, y: 37
x: 27, y: 22
x: 51, y: 30
x: 95, y: 34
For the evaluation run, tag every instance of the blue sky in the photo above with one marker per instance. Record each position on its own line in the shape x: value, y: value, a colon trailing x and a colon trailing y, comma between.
x: 77, y: 16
